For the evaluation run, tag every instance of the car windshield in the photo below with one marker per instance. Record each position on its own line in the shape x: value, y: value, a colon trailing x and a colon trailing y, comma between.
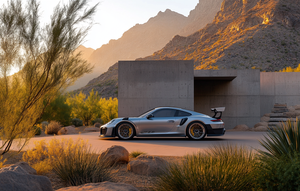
x: 146, y: 113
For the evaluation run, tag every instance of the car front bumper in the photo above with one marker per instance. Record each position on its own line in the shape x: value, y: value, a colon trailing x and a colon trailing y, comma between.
x: 107, y: 131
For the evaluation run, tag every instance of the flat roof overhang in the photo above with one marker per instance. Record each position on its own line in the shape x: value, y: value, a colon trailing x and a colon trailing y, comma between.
x: 222, y: 75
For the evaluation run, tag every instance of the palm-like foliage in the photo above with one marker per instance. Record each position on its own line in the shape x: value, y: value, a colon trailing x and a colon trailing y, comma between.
x: 283, y: 141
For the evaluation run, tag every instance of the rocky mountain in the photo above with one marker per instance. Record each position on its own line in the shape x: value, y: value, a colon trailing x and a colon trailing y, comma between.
x: 85, y: 54
x: 106, y: 84
x: 204, y: 13
x: 143, y: 40
x: 139, y: 41
x: 263, y: 34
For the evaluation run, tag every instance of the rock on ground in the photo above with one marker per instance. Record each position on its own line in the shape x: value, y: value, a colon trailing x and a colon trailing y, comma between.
x: 101, y: 186
x: 71, y: 129
x: 265, y: 124
x: 147, y: 165
x: 115, y: 154
x: 16, y: 178
x: 241, y: 127
x: 260, y: 128
x: 62, y: 131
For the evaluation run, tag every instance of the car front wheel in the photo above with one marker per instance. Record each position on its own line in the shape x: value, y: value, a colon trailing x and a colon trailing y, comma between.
x: 125, y: 131
x: 196, y: 131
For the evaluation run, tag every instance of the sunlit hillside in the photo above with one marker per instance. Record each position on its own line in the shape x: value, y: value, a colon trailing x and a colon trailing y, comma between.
x: 244, y: 34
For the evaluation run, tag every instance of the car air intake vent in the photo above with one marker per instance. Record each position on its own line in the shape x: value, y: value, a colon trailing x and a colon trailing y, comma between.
x: 125, y: 118
x: 183, y: 121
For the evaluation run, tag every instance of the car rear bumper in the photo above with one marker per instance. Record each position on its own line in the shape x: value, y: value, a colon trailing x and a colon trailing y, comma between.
x: 215, y: 131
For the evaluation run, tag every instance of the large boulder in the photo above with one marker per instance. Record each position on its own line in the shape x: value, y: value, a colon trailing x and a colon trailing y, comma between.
x: 241, y: 127
x: 71, y: 129
x: 15, y: 178
x: 97, y: 125
x: 115, y: 154
x: 62, y: 131
x: 25, y: 166
x: 147, y: 165
x: 265, y: 124
x: 101, y: 186
x: 260, y: 128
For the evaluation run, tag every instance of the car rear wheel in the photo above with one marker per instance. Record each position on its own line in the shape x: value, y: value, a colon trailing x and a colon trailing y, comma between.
x: 196, y: 131
x: 125, y: 131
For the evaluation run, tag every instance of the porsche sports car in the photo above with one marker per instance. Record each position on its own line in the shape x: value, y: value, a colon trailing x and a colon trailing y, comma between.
x: 166, y: 121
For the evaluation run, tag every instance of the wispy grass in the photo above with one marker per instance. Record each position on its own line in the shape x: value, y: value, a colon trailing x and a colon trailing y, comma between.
x: 73, y: 162
x: 135, y: 154
x: 79, y: 165
x: 221, y: 168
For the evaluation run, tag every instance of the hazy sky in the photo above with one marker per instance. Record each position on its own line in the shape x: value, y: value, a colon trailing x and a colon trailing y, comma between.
x: 114, y: 17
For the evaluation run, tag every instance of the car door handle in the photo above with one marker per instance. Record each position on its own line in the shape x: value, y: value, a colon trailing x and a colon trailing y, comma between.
x: 171, y: 121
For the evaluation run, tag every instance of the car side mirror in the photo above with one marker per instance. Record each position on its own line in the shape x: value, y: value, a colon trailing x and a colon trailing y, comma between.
x: 150, y: 116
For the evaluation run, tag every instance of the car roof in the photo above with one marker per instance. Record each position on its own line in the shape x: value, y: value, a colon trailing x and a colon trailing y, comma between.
x: 178, y: 109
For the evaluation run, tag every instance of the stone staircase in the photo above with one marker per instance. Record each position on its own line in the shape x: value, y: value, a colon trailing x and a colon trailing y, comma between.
x: 279, y: 114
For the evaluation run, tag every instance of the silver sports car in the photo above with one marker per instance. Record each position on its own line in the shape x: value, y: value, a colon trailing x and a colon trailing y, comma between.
x: 166, y: 121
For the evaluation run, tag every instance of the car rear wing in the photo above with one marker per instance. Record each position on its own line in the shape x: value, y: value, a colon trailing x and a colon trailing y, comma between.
x: 218, y: 112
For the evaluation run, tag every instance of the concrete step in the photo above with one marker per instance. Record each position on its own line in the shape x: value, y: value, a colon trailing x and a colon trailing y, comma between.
x: 281, y: 119
x: 280, y: 105
x: 277, y: 115
x: 279, y: 110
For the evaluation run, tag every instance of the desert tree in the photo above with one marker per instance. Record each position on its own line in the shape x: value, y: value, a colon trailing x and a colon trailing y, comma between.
x: 46, y: 58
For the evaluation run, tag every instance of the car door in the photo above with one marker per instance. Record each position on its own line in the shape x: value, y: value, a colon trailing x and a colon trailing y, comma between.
x: 162, y: 122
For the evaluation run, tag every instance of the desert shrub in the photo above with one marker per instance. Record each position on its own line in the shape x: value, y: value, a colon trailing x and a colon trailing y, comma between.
x: 72, y: 161
x: 37, y: 129
x: 283, y: 141
x: 78, y: 165
x: 135, y: 154
x: 53, y: 128
x: 98, y: 120
x: 77, y: 122
x: 278, y: 174
x: 42, y: 155
x: 221, y: 168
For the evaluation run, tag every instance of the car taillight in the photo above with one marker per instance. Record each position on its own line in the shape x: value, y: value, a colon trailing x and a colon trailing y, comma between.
x: 216, y: 120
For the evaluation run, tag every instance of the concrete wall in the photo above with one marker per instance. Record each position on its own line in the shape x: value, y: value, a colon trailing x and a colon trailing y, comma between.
x: 237, y: 90
x: 144, y: 85
x: 279, y: 87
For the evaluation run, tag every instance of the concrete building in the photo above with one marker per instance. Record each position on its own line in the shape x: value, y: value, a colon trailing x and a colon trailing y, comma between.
x: 246, y: 94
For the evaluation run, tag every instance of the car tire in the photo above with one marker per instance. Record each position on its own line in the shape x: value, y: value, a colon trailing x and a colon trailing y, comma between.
x: 125, y: 131
x: 196, y: 130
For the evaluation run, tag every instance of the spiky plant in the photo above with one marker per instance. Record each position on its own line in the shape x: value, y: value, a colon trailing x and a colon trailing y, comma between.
x: 282, y: 141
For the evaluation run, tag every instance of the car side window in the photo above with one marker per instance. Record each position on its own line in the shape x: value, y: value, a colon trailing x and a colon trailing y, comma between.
x: 164, y: 113
x: 182, y: 114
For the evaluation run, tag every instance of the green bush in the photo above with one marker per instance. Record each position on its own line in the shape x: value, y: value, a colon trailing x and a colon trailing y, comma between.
x: 282, y: 141
x: 78, y: 165
x: 278, y: 174
x: 77, y: 122
x: 221, y: 168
